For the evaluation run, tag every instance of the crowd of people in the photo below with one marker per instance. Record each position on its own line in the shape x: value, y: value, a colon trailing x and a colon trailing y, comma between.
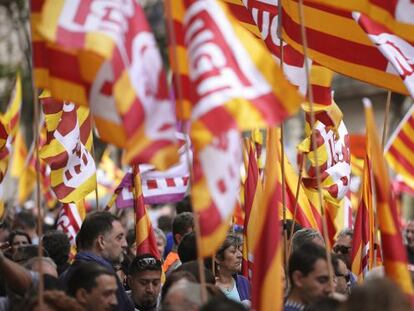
x: 107, y: 274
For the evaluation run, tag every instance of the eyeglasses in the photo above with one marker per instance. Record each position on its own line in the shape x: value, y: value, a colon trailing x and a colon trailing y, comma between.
x: 341, y: 249
x: 148, y: 262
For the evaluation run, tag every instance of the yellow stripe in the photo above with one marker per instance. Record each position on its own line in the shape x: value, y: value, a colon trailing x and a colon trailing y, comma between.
x: 56, y: 177
x: 321, y: 76
x: 245, y: 113
x: 370, y: 75
x: 201, y: 195
x: 408, y: 131
x: 89, y: 65
x: 182, y: 60
x: 51, y: 13
x: 177, y: 10
x: 141, y: 230
x: 99, y: 43
x: 209, y: 244
x: 124, y: 93
x: 400, y: 169
x: 111, y: 132
x: 404, y: 151
x: 80, y: 192
x: 398, y: 272
x: 63, y: 89
x: 271, y: 294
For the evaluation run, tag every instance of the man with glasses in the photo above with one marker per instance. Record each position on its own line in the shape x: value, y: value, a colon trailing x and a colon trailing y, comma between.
x: 144, y: 280
x: 343, y: 244
x: 342, y: 275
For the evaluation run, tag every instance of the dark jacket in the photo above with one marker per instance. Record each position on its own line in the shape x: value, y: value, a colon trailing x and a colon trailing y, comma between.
x: 243, y: 287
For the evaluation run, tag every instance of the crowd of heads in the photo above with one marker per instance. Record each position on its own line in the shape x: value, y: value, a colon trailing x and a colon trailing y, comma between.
x: 106, y: 273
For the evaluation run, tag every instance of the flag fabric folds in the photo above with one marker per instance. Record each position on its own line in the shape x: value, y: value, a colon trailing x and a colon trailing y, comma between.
x: 399, y: 52
x: 68, y: 150
x: 237, y: 86
x: 267, y: 292
x: 338, y: 43
x: 397, y: 15
x: 144, y: 234
x: 70, y: 220
x: 109, y: 61
x: 399, y: 149
x: 394, y: 253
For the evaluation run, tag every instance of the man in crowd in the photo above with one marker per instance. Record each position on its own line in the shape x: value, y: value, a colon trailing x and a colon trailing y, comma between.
x: 343, y: 244
x: 304, y: 236
x: 93, y: 286
x: 144, y: 280
x: 183, y: 223
x: 101, y: 239
x: 343, y: 275
x: 309, y: 277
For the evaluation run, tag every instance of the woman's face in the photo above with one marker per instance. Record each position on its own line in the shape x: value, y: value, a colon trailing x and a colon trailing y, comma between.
x: 232, y: 259
x: 18, y: 240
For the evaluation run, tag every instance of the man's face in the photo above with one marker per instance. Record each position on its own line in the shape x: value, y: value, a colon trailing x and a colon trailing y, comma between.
x: 145, y: 288
x: 114, y: 243
x: 343, y: 246
x: 409, y: 234
x: 316, y: 284
x: 342, y: 278
x: 102, y: 297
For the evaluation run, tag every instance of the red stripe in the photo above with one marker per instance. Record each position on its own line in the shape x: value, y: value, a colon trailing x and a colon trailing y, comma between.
x: 57, y: 161
x: 133, y: 118
x: 393, y: 248
x: 179, y: 33
x: 64, y: 65
x: 402, y: 160
x: 210, y: 220
x: 250, y: 186
x: 406, y: 140
x: 62, y: 191
x: 322, y: 95
x: 149, y: 153
x: 152, y: 184
x: 51, y: 105
x: 301, y: 217
x: 339, y: 48
x: 241, y: 13
x: 69, y: 38
x: 36, y: 5
x: 387, y: 5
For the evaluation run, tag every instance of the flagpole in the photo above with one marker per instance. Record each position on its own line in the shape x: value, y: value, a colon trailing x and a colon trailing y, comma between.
x: 314, y: 144
x: 96, y: 176
x: 197, y: 230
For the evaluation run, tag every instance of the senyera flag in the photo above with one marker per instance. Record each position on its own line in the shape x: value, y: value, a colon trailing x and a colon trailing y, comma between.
x: 103, y: 54
x: 237, y: 86
x: 399, y: 52
x: 397, y: 15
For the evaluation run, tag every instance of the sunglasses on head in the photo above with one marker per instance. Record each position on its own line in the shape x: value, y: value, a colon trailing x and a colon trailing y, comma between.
x: 144, y: 263
x: 341, y: 249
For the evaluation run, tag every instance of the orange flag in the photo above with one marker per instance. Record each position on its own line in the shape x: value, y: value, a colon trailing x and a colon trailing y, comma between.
x: 394, y: 253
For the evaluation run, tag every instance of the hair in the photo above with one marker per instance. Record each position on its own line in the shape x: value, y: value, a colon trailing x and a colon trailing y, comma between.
x: 84, y: 276
x: 304, y: 236
x: 15, y: 233
x: 345, y: 232
x: 192, y: 267
x: 57, y: 245
x: 31, y: 262
x: 192, y: 297
x: 95, y: 224
x: 222, y: 304
x: 182, y: 223
x: 160, y: 234
x: 377, y: 295
x: 187, y: 249
x: 324, y: 304
x: 26, y: 252
x: 139, y: 264
x: 55, y: 300
x: 25, y: 220
x: 289, y: 224
x: 130, y: 237
x: 165, y: 223
x: 232, y: 239
x: 304, y: 259
x: 335, y: 263
x: 174, y: 277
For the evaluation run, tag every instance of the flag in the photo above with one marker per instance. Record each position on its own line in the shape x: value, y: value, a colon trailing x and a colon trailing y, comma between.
x: 399, y: 149
x: 397, y: 15
x: 338, y: 43
x: 362, y: 253
x: 144, y: 234
x: 237, y: 87
x: 70, y: 220
x: 111, y: 63
x: 399, y: 52
x: 394, y: 253
x: 68, y: 150
x: 267, y: 292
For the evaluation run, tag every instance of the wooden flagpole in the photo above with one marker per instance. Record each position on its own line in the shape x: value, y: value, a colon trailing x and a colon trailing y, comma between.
x: 171, y: 33
x: 314, y: 144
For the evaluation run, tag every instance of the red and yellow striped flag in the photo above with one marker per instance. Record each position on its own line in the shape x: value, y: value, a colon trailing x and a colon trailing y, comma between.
x: 68, y: 150
x: 111, y: 64
x: 237, y: 87
x: 267, y: 292
x: 399, y: 149
x: 394, y: 253
x: 396, y: 15
x: 144, y: 234
x: 362, y: 254
x: 337, y: 42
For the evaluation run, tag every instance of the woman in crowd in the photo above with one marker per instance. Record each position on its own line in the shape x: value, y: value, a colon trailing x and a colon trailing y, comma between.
x: 229, y: 260
x: 17, y: 239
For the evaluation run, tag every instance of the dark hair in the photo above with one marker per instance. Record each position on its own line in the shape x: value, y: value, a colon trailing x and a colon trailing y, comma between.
x: 324, y: 304
x: 84, y: 276
x: 57, y: 245
x: 174, y: 277
x: 95, y: 224
x: 130, y: 237
x: 304, y: 259
x: 144, y: 262
x: 192, y: 267
x: 165, y: 223
x: 222, y: 304
x: 55, y: 300
x: 24, y: 219
x: 187, y: 249
x: 182, y: 224
x: 26, y: 252
x: 289, y: 224
x: 231, y: 240
x: 15, y: 233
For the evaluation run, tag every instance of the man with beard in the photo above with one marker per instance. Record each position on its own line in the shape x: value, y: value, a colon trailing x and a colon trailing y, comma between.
x: 101, y: 239
x: 144, y: 279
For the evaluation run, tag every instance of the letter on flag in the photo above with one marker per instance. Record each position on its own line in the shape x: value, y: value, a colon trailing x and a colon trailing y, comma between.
x: 68, y: 150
